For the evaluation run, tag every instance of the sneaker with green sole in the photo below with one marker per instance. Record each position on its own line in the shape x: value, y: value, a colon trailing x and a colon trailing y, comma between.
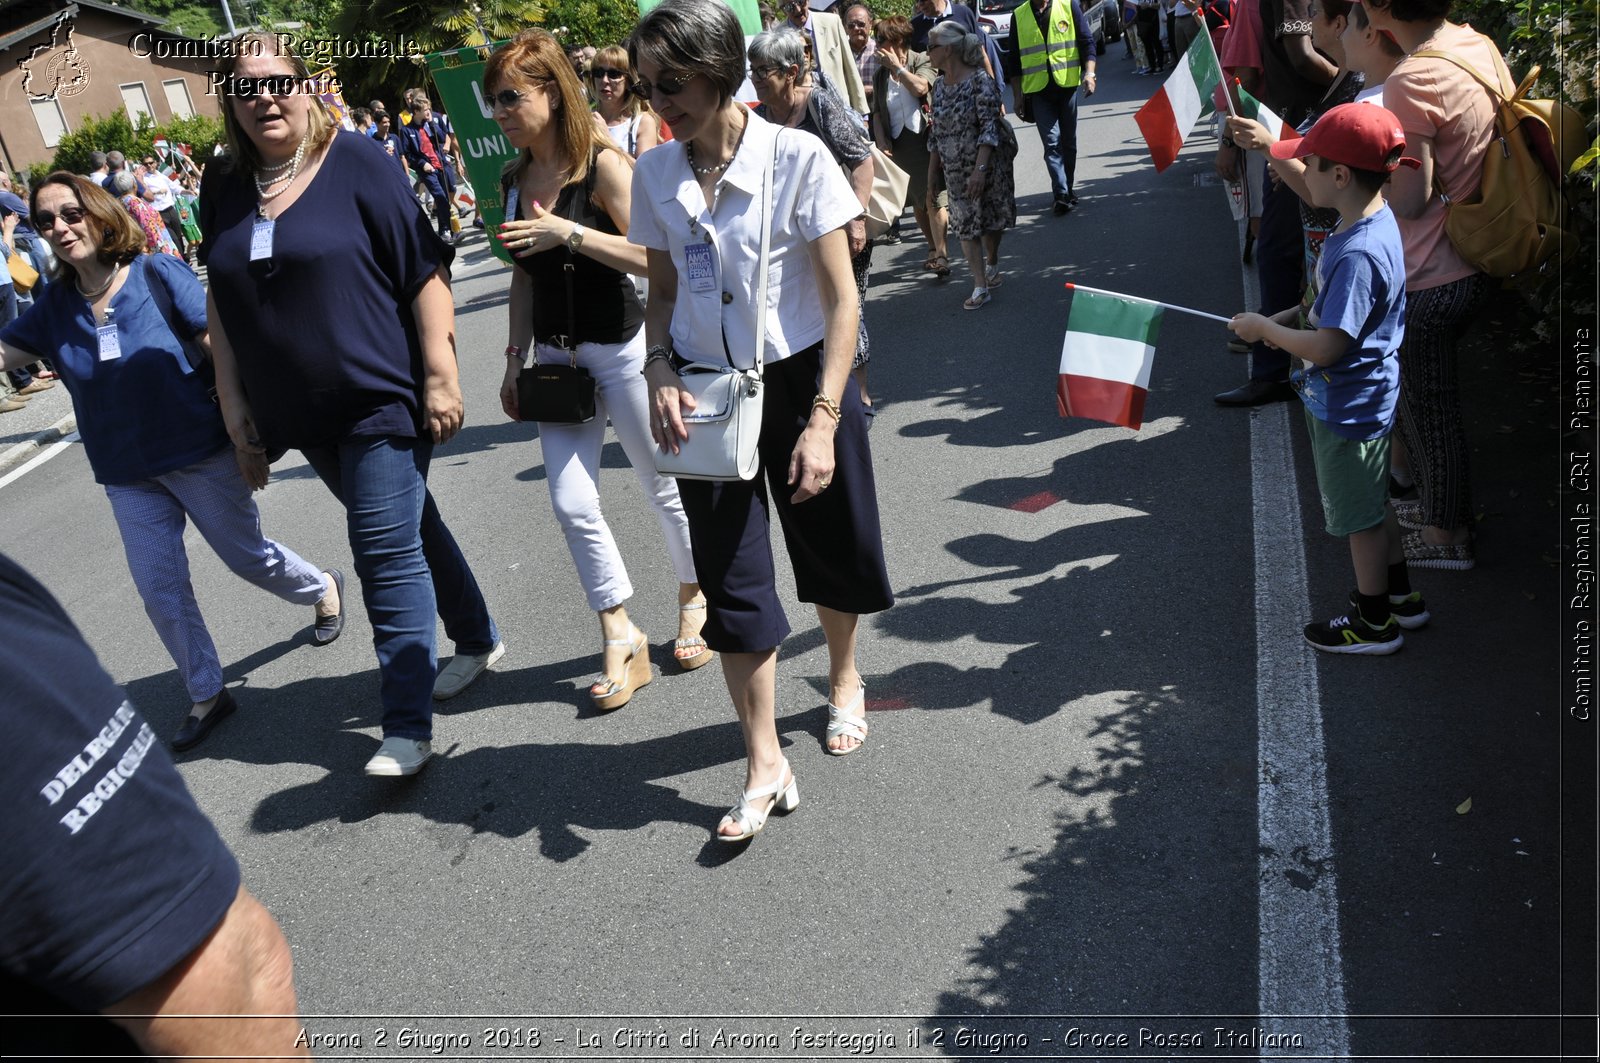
x: 1408, y: 610
x: 1351, y: 634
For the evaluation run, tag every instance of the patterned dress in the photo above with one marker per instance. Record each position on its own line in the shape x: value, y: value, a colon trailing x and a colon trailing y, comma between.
x: 967, y: 115
x: 157, y: 240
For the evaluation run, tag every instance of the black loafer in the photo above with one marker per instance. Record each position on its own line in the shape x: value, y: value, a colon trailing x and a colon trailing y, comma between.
x: 329, y: 628
x: 1256, y: 393
x: 194, y: 729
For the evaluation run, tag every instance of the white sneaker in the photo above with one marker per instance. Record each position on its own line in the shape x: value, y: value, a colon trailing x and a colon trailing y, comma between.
x: 462, y: 670
x: 400, y: 756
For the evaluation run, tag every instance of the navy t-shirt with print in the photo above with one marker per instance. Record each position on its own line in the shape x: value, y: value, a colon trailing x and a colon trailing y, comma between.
x: 323, y: 330
x: 111, y: 873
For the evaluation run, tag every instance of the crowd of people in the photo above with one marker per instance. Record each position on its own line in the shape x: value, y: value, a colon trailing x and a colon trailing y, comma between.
x: 645, y: 211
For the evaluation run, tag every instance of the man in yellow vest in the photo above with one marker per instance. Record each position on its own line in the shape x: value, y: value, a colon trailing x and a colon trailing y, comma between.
x: 1050, y: 55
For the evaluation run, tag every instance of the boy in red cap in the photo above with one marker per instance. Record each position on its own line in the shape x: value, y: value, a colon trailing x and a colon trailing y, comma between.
x: 1350, y: 340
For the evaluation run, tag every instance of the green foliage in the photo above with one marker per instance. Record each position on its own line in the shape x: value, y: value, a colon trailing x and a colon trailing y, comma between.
x: 113, y: 133
x: 594, y: 22
x: 427, y: 26
x: 109, y: 133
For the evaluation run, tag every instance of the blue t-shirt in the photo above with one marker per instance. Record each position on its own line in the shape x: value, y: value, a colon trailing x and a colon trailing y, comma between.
x: 112, y: 874
x: 1361, y: 290
x: 145, y: 412
x: 323, y: 331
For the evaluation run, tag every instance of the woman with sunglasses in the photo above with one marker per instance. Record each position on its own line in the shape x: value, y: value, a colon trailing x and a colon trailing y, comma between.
x: 628, y: 120
x: 333, y: 328
x: 119, y: 331
x: 568, y: 200
x: 697, y: 208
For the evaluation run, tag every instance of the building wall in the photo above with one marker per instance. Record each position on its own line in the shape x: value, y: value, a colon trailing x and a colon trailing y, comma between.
x: 103, y: 55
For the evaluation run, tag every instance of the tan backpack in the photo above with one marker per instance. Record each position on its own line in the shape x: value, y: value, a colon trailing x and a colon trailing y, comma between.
x: 1517, y: 220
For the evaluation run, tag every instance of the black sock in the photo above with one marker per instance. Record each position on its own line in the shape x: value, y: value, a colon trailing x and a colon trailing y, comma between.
x: 1399, y: 579
x: 1374, y: 608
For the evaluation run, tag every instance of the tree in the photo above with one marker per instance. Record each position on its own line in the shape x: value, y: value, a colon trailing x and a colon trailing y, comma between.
x: 592, y: 22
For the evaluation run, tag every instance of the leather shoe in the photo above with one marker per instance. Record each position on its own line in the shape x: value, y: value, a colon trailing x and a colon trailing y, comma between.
x: 36, y: 387
x: 195, y: 729
x: 1256, y: 393
x: 329, y: 628
x: 10, y: 405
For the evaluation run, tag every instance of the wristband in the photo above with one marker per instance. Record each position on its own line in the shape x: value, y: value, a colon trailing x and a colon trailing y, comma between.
x: 513, y: 351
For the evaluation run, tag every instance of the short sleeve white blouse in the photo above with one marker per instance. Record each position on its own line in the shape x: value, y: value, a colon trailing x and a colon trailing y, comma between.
x: 810, y: 199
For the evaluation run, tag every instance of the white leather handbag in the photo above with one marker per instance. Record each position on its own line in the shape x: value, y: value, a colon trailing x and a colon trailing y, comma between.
x: 725, y: 424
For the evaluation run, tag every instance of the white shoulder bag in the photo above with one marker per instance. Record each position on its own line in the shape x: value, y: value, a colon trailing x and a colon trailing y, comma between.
x: 725, y: 424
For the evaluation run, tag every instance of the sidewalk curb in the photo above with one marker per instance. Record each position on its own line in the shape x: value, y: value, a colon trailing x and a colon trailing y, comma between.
x: 22, y: 452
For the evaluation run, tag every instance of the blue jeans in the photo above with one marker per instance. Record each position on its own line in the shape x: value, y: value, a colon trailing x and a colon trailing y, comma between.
x: 1280, y: 262
x: 404, y: 556
x: 1055, y: 112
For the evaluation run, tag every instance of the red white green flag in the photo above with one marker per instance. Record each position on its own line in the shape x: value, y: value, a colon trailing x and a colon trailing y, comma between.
x: 1106, y: 358
x: 1172, y: 112
x: 1250, y: 107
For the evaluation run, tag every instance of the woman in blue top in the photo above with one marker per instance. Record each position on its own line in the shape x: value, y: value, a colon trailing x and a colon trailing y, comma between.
x: 152, y: 434
x: 334, y: 332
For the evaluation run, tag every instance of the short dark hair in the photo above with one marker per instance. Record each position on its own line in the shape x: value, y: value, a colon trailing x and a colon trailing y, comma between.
x: 1369, y: 181
x: 1413, y: 10
x: 693, y: 36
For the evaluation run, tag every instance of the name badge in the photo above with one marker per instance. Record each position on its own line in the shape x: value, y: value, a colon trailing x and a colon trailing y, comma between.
x: 511, y: 204
x: 702, y: 274
x: 110, y: 349
x: 261, y: 239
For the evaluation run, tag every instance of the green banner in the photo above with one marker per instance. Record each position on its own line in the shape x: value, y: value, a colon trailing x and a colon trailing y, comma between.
x: 484, y: 149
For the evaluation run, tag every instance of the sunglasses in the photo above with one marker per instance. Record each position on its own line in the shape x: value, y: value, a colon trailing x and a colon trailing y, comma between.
x: 276, y: 85
x: 606, y: 73
x: 44, y: 220
x: 644, y: 90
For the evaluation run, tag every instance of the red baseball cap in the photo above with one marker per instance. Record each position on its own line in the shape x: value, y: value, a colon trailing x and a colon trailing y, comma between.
x: 1362, y: 135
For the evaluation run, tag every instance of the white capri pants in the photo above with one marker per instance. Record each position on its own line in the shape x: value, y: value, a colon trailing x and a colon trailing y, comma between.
x: 150, y: 515
x: 572, y: 464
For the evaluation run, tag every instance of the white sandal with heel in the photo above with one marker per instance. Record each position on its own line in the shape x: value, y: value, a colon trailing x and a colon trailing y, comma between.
x: 843, y: 724
x: 745, y: 815
x: 608, y: 693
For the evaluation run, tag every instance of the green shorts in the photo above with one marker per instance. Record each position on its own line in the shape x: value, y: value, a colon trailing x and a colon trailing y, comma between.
x: 1353, y: 477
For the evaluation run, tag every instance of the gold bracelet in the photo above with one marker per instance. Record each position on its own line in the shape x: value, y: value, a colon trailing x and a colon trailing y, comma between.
x: 829, y: 405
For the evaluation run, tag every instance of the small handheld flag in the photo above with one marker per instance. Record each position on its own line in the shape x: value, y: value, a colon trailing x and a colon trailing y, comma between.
x: 1106, y: 358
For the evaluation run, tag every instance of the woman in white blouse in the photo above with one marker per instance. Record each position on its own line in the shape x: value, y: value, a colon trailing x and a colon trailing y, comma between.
x: 695, y: 209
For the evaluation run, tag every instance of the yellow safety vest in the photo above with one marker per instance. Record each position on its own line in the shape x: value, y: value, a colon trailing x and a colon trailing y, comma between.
x: 1046, y: 60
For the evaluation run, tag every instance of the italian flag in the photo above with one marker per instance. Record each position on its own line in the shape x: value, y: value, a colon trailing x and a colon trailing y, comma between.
x: 1250, y: 107
x: 1106, y: 358
x: 1172, y: 112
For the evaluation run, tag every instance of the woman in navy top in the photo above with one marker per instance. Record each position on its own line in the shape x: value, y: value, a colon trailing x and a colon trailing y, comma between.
x: 116, y: 332
x: 333, y: 321
x: 568, y: 195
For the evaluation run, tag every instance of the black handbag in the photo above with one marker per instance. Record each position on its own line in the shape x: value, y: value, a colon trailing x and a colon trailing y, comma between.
x: 558, y: 394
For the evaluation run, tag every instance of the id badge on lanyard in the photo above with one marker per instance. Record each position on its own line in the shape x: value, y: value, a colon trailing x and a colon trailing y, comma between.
x: 701, y: 269
x: 110, y: 349
x: 261, y: 239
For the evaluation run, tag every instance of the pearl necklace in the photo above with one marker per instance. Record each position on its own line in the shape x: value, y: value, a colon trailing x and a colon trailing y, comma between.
x: 286, y: 182
x: 98, y: 292
x: 707, y: 171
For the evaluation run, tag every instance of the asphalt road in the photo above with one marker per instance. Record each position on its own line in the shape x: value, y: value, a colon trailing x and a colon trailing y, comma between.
x: 1053, y: 826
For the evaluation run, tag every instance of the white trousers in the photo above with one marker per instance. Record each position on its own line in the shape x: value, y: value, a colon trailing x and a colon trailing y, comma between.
x: 150, y: 515
x: 572, y: 465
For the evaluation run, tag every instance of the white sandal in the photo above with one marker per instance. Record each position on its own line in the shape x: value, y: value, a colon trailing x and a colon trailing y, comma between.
x: 702, y: 655
x: 842, y: 724
x: 608, y: 693
x: 977, y: 300
x: 992, y: 277
x: 786, y: 798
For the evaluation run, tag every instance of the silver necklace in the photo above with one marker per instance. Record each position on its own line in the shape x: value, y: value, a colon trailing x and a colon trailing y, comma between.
x: 98, y: 292
x: 286, y: 182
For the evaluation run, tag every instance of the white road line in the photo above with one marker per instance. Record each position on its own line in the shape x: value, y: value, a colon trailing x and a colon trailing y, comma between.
x: 1300, y: 967
x: 39, y: 459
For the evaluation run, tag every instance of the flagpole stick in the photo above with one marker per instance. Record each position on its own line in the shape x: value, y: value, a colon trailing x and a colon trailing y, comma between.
x: 1071, y: 287
x: 1227, y: 96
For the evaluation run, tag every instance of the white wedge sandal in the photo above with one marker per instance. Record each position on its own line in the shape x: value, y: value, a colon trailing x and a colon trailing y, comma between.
x: 750, y: 818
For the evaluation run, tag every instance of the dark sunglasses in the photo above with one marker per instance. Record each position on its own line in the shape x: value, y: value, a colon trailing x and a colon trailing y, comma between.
x: 606, y: 73
x: 644, y: 90
x: 507, y: 98
x: 276, y: 85
x: 44, y: 220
